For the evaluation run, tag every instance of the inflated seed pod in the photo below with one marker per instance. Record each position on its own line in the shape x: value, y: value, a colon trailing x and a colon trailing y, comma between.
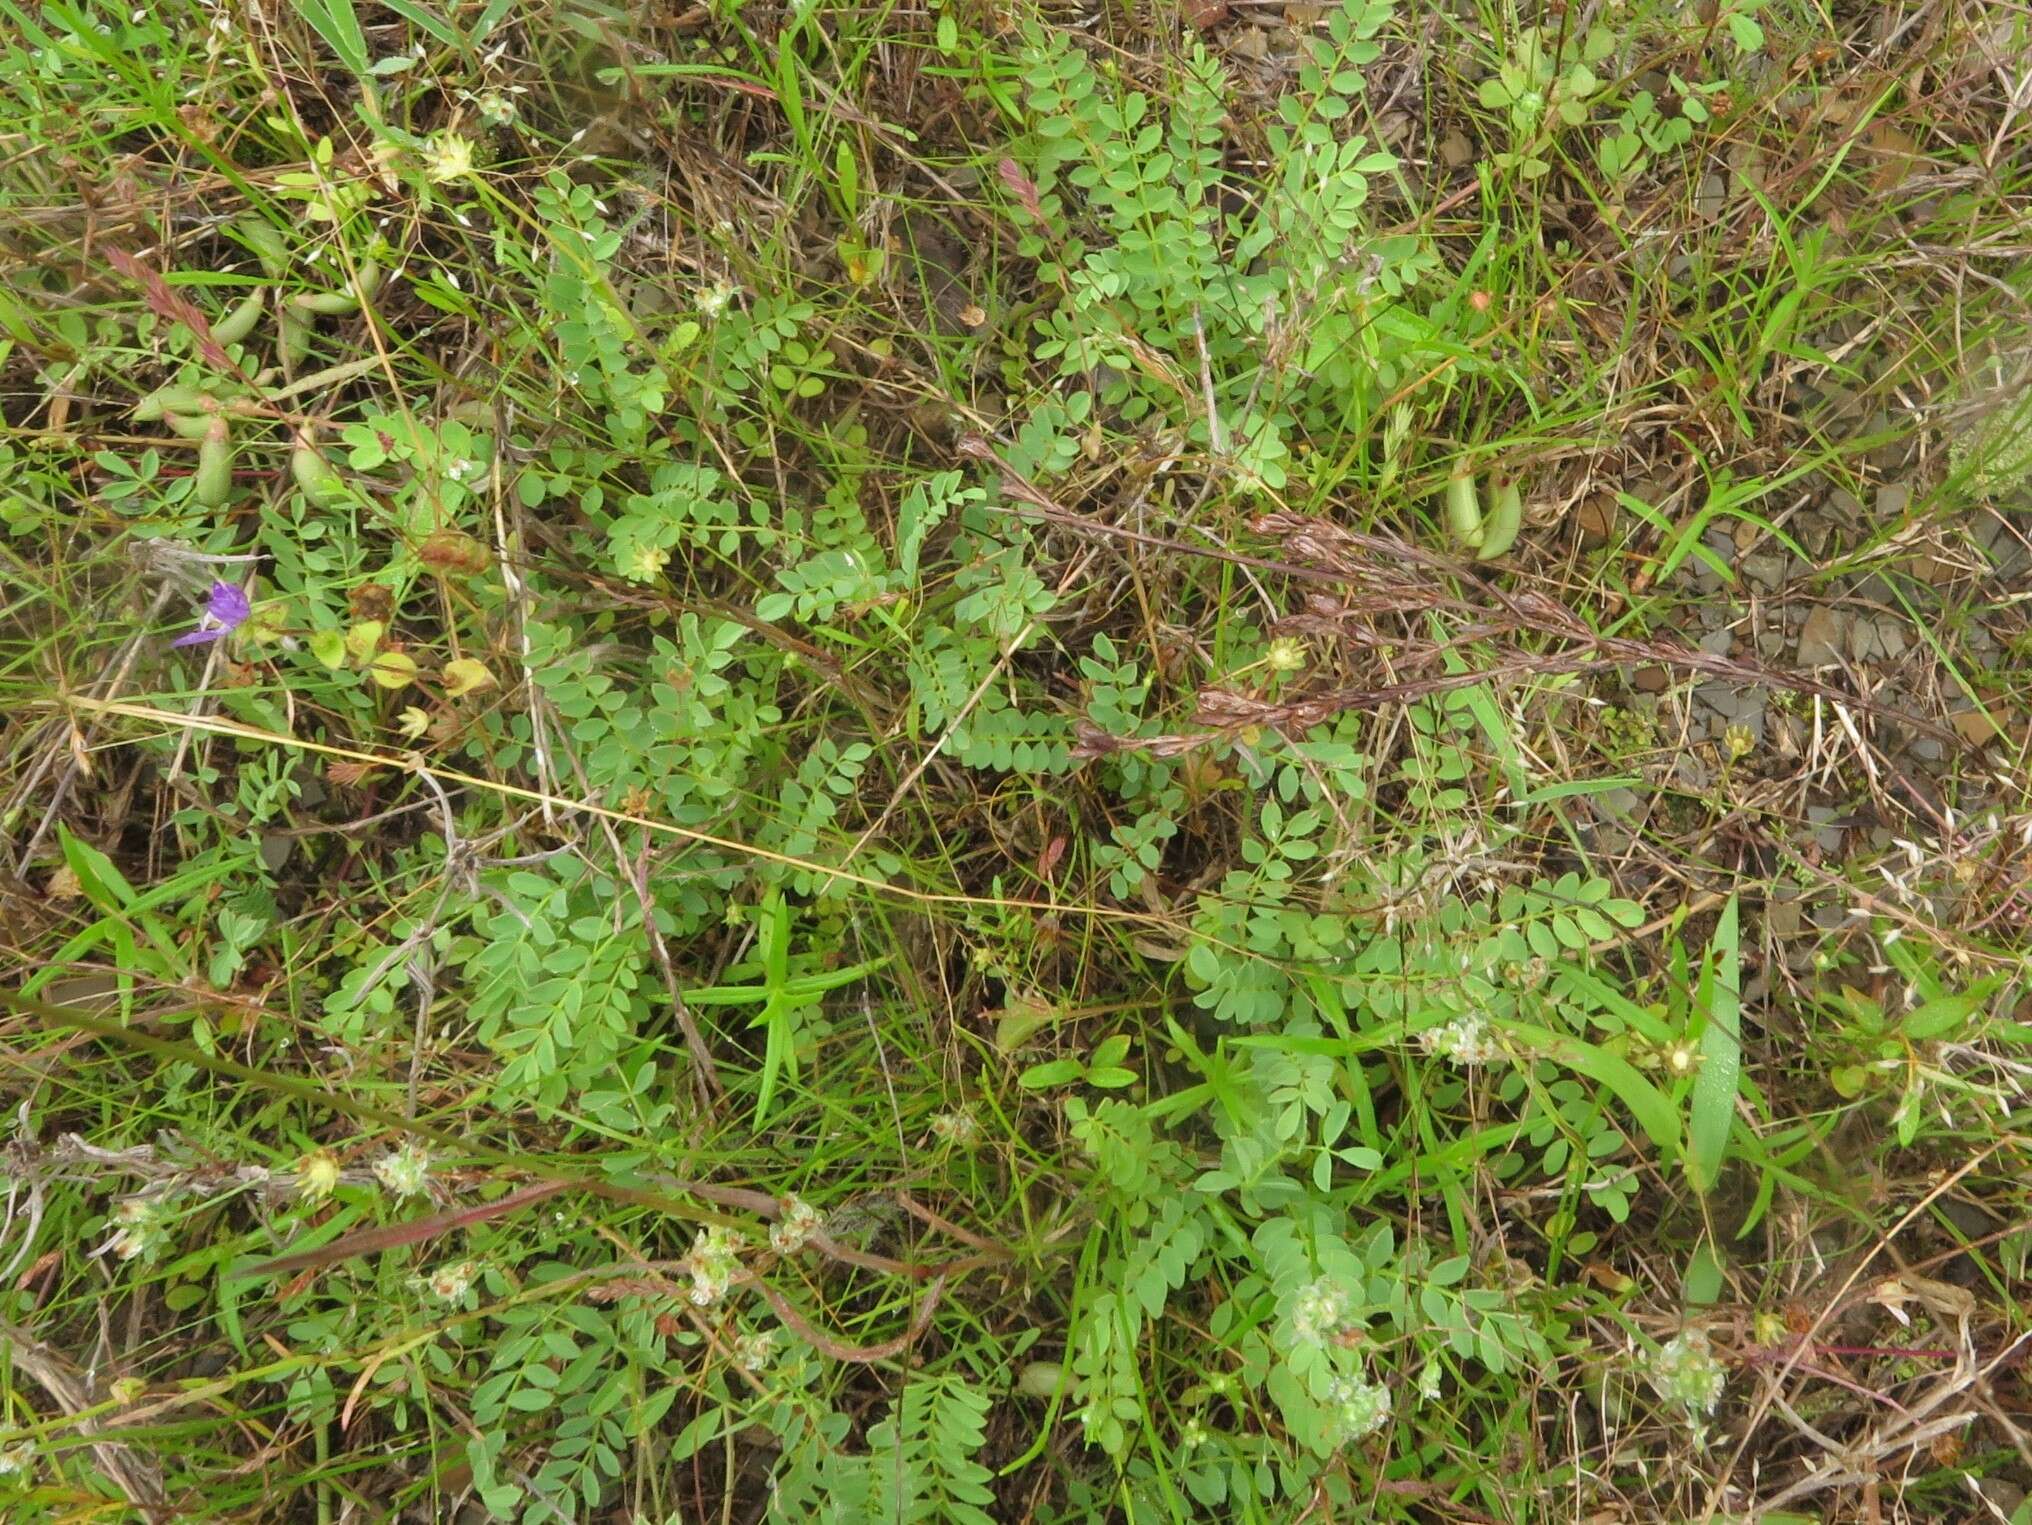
x: 239, y: 323
x: 292, y: 335
x: 311, y: 471
x: 266, y: 240
x: 1506, y: 518
x: 326, y: 302
x: 366, y: 282
x: 192, y: 425
x: 165, y: 400
x: 213, y: 480
x: 1463, y: 510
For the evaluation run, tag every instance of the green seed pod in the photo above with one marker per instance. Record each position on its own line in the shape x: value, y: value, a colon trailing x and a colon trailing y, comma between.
x: 164, y: 400
x: 190, y: 425
x: 326, y: 302
x: 1040, y: 1379
x: 311, y: 472
x: 1506, y: 518
x: 1463, y: 511
x: 292, y: 335
x: 239, y: 323
x: 266, y: 240
x: 213, y: 480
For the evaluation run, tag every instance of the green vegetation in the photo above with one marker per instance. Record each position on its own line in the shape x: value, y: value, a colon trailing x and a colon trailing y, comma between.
x: 960, y: 763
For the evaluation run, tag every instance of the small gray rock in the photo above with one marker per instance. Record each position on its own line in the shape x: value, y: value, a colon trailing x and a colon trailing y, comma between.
x: 1718, y: 697
x: 1821, y: 638
x: 1766, y: 571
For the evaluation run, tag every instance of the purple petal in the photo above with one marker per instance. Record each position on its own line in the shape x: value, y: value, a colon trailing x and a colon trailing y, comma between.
x: 228, y: 605
x: 197, y: 638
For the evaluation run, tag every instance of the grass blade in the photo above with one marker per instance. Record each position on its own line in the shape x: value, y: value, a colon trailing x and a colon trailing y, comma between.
x: 1713, y: 1110
x: 336, y: 22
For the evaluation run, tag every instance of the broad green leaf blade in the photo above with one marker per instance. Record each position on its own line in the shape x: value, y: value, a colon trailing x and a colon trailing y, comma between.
x: 1651, y: 1108
x: 335, y: 22
x: 421, y: 16
x: 103, y: 884
x: 1713, y: 1108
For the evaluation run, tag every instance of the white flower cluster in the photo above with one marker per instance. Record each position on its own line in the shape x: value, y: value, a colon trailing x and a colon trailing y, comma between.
x: 1685, y: 1372
x: 714, y: 1262
x: 1359, y: 1407
x: 1465, y: 1041
x: 451, y: 1283
x: 955, y: 1128
x: 799, y: 1222
x: 143, y: 1228
x: 753, y: 1350
x: 1319, y: 1311
x: 716, y: 298
x: 405, y: 1172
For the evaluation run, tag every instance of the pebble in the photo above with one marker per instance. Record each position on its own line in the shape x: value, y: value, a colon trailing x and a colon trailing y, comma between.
x: 1826, y: 835
x: 1820, y: 638
x: 1720, y: 698
x: 1892, y: 498
x: 1620, y: 803
x: 1767, y: 571
x: 1781, y: 915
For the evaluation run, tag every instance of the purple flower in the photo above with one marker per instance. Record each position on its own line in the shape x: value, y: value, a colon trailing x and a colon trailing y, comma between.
x: 226, y: 610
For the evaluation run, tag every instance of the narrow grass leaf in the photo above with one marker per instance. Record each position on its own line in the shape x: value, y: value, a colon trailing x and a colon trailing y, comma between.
x: 1713, y: 1111
x: 1650, y: 1107
x: 336, y: 22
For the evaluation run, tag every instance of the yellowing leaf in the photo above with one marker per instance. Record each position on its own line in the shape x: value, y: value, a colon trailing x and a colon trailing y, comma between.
x: 393, y: 669
x: 465, y: 675
x: 363, y: 639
